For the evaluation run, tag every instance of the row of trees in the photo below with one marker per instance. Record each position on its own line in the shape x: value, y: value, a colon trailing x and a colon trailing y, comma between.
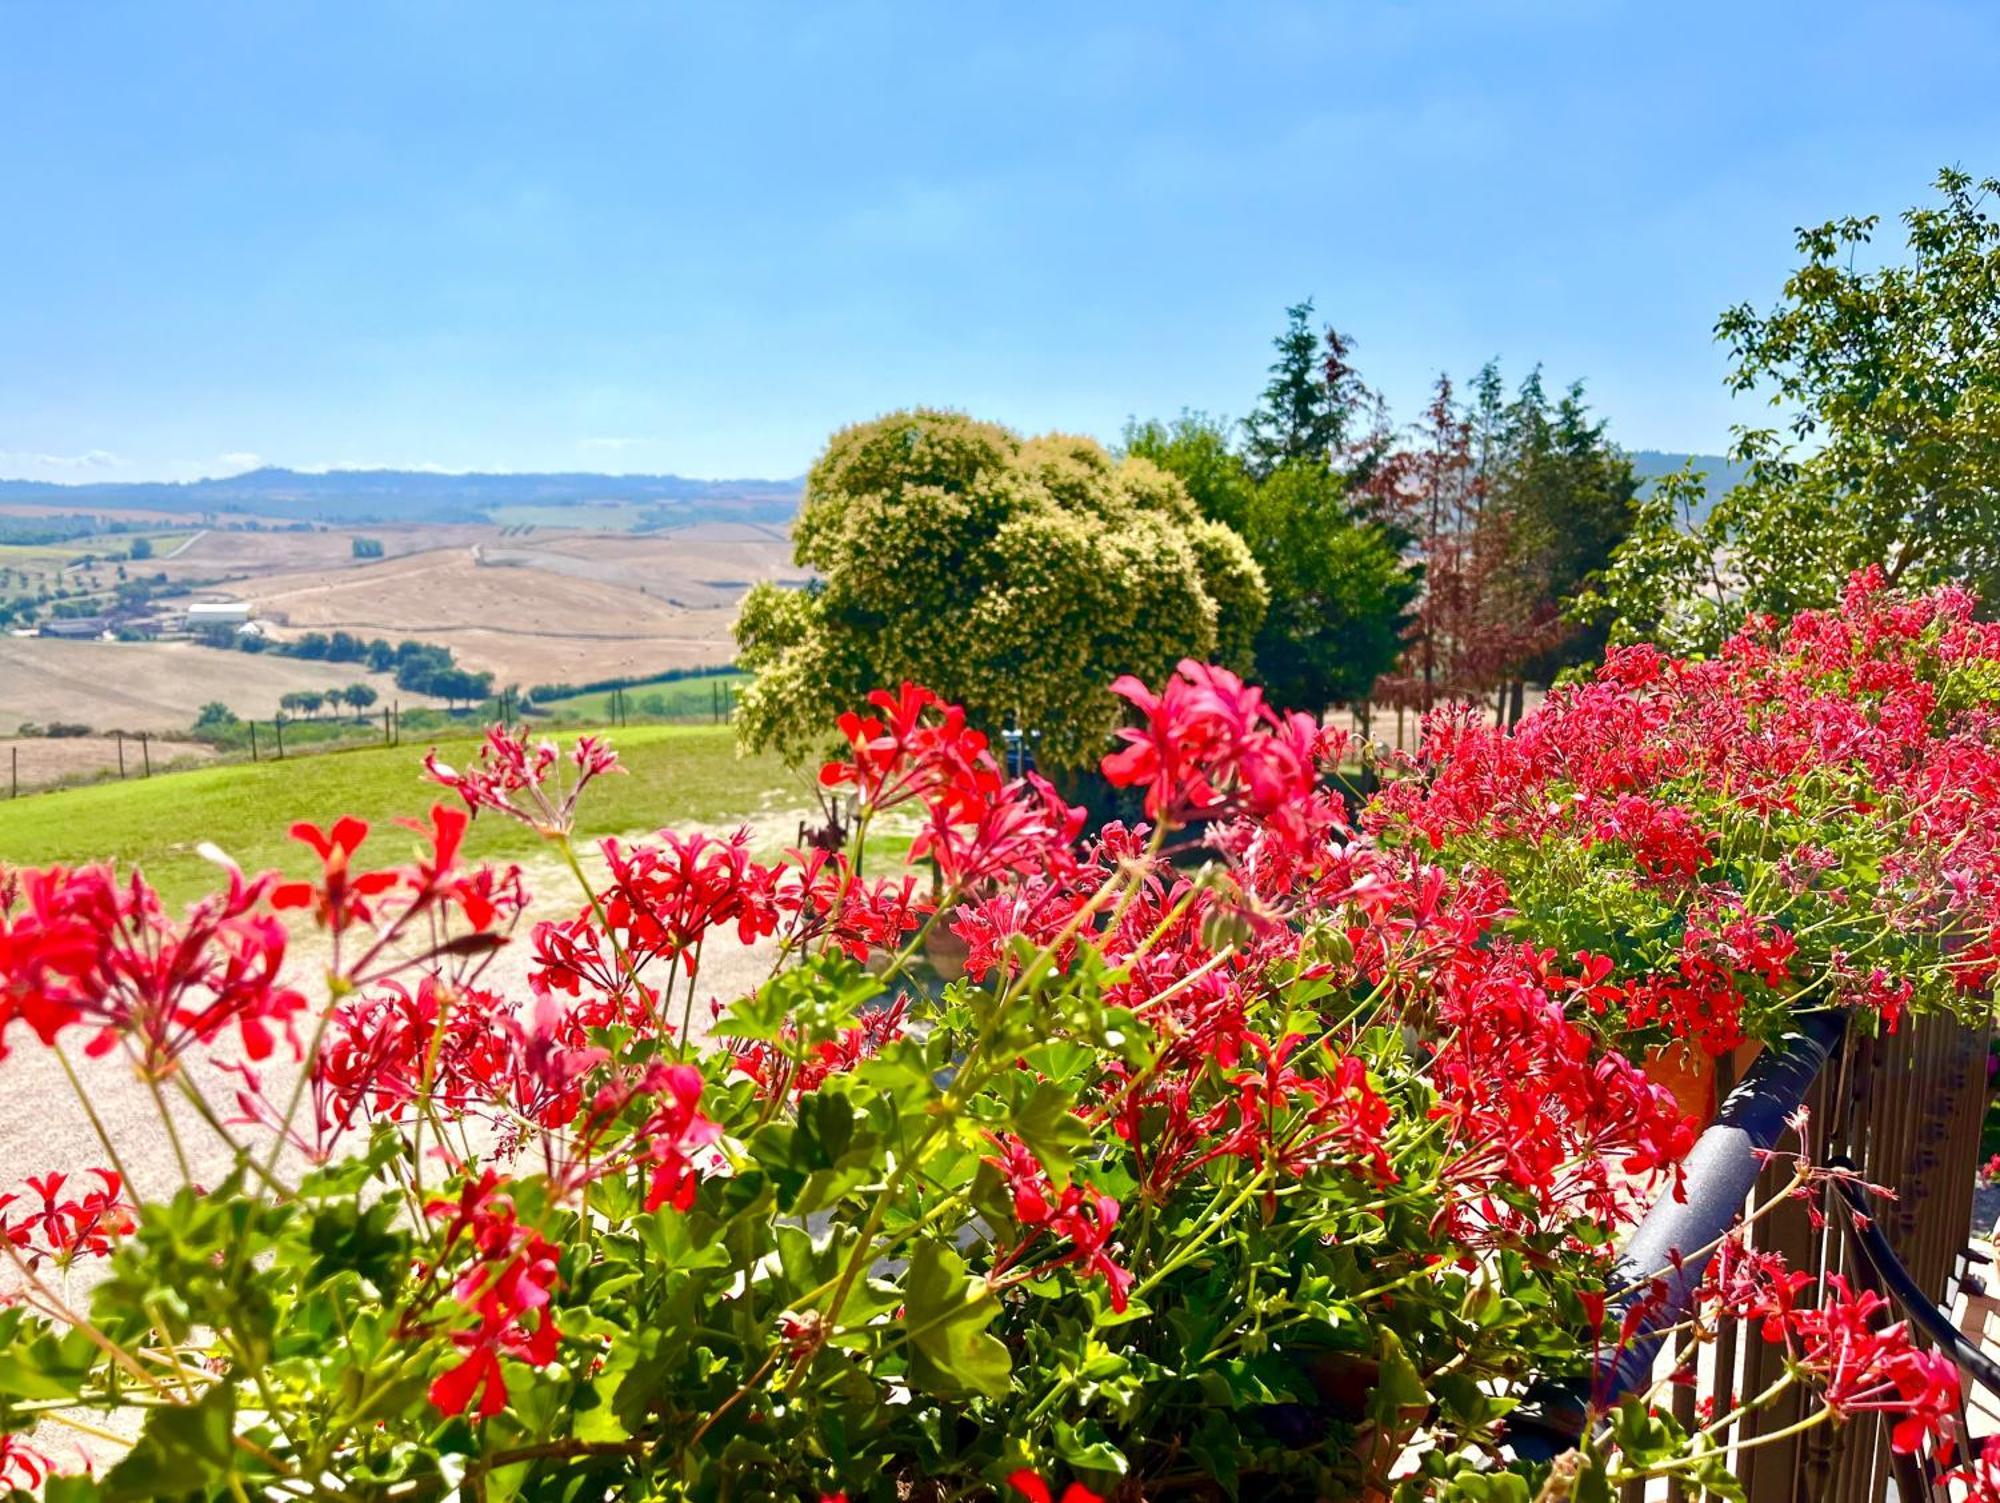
x: 418, y: 667
x: 356, y: 697
x: 1409, y: 566
x: 1310, y: 546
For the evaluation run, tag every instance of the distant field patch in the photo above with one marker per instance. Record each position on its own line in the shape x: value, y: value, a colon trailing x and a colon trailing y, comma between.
x: 528, y: 615
x: 659, y: 699
x: 41, y: 760
x: 589, y: 516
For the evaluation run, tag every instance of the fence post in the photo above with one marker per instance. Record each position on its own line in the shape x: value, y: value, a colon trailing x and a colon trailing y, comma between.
x: 119, y: 737
x: 146, y: 751
x: 16, y: 751
x: 278, y: 725
x: 385, y: 725
x: 253, y: 741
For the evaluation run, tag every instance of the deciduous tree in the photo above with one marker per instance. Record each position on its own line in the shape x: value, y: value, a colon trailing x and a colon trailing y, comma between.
x: 1019, y: 576
x: 1889, y: 379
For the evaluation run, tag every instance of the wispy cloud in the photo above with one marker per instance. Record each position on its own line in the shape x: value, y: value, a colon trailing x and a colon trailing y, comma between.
x: 90, y: 459
x: 611, y: 445
x: 236, y: 461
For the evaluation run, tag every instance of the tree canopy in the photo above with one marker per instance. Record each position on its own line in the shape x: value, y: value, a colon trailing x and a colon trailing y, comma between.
x: 1888, y: 377
x: 1338, y: 584
x: 1015, y: 576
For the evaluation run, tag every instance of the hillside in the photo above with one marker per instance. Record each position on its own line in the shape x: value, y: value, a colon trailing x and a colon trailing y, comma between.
x: 158, y: 687
x: 1723, y: 475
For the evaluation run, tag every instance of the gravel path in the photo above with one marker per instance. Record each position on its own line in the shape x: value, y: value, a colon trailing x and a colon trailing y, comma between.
x: 43, y: 1126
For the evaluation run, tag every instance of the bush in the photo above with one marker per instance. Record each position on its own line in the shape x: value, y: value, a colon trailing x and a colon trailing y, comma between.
x: 67, y: 730
x: 1277, y: 1161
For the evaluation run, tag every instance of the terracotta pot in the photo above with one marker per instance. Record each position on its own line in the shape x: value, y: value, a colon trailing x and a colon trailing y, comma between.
x: 1688, y: 1071
x: 946, y: 952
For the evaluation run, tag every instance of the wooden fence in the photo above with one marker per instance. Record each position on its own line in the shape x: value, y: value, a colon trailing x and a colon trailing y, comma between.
x: 1906, y: 1109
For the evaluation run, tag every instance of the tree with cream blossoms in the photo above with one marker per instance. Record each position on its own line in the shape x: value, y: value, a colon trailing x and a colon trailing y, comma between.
x: 1013, y: 576
x: 1262, y: 1146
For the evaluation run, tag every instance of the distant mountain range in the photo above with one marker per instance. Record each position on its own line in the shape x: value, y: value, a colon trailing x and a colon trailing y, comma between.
x: 422, y: 495
x: 362, y: 496
x: 1723, y: 475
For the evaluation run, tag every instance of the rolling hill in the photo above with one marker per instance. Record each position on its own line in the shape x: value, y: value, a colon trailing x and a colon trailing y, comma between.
x: 422, y: 496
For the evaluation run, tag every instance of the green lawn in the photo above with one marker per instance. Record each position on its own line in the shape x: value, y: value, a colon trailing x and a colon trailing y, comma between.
x: 663, y: 699
x: 677, y: 773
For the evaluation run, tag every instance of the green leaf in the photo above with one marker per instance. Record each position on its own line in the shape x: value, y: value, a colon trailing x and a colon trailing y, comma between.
x: 183, y: 1450
x: 345, y: 1238
x: 1087, y: 1448
x: 1041, y: 1116
x: 946, y: 1313
x: 1399, y: 1386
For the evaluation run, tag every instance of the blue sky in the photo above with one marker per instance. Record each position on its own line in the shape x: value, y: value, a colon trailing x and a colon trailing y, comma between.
x: 698, y: 238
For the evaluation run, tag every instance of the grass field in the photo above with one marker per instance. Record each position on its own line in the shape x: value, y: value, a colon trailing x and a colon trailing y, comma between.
x: 676, y: 774
x: 661, y: 699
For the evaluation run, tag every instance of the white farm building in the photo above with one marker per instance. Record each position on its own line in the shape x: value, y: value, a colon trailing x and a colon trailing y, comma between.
x: 218, y: 613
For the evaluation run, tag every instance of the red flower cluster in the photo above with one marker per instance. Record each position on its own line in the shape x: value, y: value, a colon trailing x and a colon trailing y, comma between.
x: 668, y: 892
x: 515, y: 779
x: 485, y: 897
x: 467, y: 1050
x: 1978, y: 1479
x: 977, y: 825
x: 21, y: 1465
x: 1798, y: 761
x: 63, y: 1229
x: 919, y: 748
x: 80, y: 949
x: 1858, y: 1365
x: 1080, y: 1217
x: 506, y: 1288
x: 827, y: 903
x: 1031, y: 1486
x: 674, y: 1132
x: 1209, y: 746
x: 1532, y: 1104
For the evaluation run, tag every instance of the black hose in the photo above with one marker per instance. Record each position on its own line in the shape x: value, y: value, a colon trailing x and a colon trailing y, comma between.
x: 1664, y: 1259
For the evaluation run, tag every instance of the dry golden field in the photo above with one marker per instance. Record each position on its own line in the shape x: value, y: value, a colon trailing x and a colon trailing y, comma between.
x: 529, y: 603
x: 541, y: 606
x: 157, y: 687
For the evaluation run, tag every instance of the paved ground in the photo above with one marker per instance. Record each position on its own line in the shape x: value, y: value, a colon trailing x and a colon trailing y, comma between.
x: 44, y: 1127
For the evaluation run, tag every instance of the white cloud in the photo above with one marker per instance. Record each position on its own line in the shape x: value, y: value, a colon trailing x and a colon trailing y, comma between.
x: 236, y: 461
x: 90, y: 459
